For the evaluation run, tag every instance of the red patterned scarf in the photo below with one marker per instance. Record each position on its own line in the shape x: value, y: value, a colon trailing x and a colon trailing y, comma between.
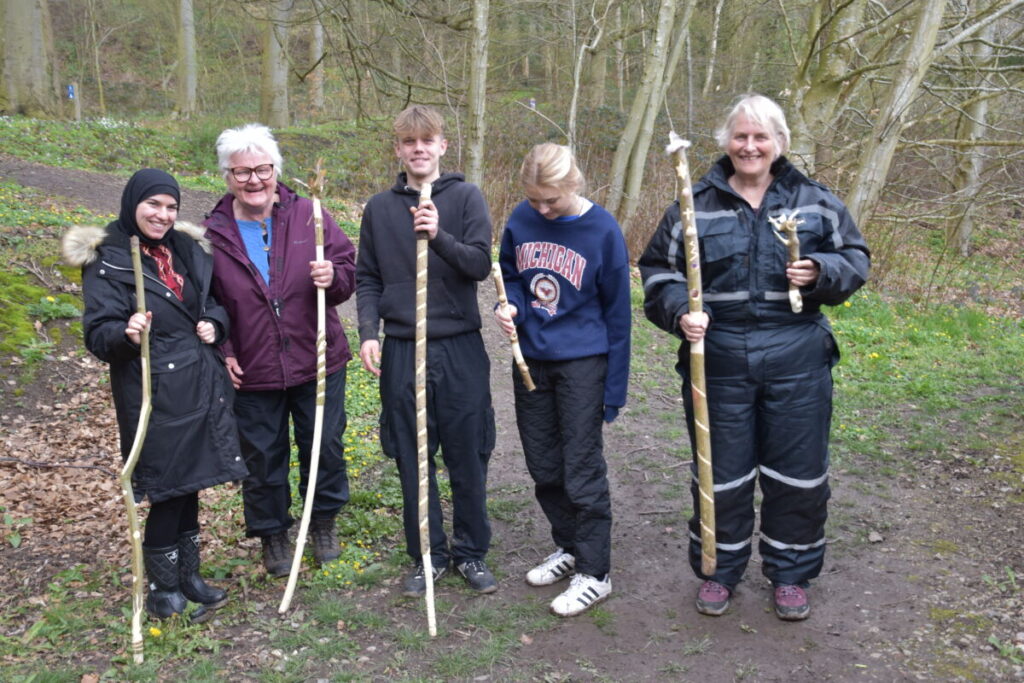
x: 165, y: 268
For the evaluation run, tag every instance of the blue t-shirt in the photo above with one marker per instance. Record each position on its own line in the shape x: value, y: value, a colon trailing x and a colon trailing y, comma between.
x: 257, y: 235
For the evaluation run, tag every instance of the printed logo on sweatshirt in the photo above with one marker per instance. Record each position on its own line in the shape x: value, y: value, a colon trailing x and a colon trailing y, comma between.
x: 554, y: 257
x: 546, y: 293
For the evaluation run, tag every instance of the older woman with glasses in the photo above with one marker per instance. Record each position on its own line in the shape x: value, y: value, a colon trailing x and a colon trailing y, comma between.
x: 266, y: 276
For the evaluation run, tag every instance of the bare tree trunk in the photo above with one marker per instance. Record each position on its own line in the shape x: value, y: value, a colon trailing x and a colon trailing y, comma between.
x: 316, y: 57
x: 30, y: 67
x: 187, y: 78
x: 713, y: 49
x: 820, y: 78
x: 477, y: 105
x: 101, y: 99
x: 274, y: 82
x: 973, y: 125
x: 879, y: 147
x: 631, y: 152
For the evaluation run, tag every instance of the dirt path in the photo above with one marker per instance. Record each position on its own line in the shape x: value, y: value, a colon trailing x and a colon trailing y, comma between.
x: 901, y: 597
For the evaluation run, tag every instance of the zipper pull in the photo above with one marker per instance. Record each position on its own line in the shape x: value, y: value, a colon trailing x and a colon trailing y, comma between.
x: 277, y: 307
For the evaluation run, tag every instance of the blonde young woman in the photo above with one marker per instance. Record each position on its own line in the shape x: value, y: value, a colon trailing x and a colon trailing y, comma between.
x: 566, y: 273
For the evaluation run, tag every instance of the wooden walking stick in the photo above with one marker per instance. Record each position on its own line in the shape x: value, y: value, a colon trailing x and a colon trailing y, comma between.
x: 134, y: 535
x: 517, y: 353
x: 422, y: 259
x: 705, y: 477
x: 316, y: 189
x: 785, y: 230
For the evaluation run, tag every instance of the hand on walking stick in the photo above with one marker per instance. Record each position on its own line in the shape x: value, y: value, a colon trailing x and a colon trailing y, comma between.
x: 138, y: 331
x: 504, y: 313
x: 316, y: 187
x: 425, y: 224
x: 693, y: 326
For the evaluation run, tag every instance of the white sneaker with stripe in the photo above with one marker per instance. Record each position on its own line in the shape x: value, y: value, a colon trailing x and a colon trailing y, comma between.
x: 553, y: 569
x: 584, y: 592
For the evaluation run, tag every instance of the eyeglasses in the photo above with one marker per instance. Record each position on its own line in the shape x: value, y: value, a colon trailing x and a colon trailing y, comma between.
x: 242, y: 174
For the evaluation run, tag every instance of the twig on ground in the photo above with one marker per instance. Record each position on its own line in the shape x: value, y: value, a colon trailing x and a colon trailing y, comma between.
x: 36, y: 463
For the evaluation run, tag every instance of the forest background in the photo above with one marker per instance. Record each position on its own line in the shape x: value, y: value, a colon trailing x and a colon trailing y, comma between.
x: 908, y: 109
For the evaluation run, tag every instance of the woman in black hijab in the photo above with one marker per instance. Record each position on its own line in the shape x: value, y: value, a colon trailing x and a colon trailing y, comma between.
x: 191, y: 442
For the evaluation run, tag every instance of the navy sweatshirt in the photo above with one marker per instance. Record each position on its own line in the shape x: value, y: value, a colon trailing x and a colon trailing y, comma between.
x: 569, y: 281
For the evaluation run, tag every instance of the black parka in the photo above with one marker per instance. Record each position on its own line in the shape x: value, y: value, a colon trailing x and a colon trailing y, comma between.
x: 192, y: 441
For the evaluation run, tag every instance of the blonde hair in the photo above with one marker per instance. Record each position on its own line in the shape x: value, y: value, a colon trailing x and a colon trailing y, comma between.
x: 762, y: 111
x: 551, y: 165
x: 419, y: 120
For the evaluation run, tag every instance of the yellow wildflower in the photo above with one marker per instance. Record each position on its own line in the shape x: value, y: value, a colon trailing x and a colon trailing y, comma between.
x: 155, y: 632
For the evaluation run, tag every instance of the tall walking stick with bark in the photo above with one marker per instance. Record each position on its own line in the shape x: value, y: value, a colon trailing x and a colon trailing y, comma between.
x: 705, y: 477
x: 517, y: 353
x: 316, y: 190
x: 134, y: 534
x: 422, y: 254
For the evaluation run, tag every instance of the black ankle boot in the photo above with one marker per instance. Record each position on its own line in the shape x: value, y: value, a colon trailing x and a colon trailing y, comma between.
x: 192, y: 585
x: 164, y: 598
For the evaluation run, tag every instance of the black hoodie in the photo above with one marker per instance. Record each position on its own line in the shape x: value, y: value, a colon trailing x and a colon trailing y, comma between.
x: 460, y: 256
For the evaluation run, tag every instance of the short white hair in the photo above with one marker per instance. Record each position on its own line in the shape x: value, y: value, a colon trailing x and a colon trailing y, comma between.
x: 252, y: 137
x: 762, y: 111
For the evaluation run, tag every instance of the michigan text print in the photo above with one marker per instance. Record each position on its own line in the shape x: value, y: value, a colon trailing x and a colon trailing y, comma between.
x: 555, y: 258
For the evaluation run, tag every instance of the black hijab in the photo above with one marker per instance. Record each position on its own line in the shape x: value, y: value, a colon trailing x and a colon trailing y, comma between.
x: 141, y: 186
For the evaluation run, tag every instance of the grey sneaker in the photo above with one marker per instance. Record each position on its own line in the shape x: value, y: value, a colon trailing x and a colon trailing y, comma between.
x: 478, y: 576
x: 416, y: 583
x: 553, y: 569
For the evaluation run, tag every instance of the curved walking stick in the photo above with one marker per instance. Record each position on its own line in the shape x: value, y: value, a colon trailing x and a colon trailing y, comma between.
x: 705, y: 477
x: 134, y: 535
x: 316, y: 188
x: 517, y: 353
x: 422, y: 254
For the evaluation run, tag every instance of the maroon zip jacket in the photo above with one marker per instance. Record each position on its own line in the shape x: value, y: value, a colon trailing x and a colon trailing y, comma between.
x: 273, y: 327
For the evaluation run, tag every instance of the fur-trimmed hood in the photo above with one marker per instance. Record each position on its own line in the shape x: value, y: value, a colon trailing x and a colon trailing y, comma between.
x: 81, y: 243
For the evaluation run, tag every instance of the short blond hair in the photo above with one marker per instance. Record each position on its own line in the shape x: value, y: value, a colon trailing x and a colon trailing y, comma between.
x: 551, y: 165
x: 419, y: 120
x: 762, y: 111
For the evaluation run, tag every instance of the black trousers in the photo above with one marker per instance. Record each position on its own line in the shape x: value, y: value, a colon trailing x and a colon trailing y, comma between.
x: 770, y: 407
x: 263, y: 432
x: 560, y: 426
x: 460, y: 420
x: 169, y: 519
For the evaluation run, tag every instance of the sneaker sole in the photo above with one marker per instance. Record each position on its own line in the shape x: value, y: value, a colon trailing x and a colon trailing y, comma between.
x: 710, y: 611
x: 581, y: 611
x: 793, y: 616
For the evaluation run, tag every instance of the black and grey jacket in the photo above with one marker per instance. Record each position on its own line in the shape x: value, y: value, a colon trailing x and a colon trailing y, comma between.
x: 743, y: 264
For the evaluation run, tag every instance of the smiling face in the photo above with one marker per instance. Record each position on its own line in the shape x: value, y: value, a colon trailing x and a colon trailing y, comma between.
x: 156, y: 215
x: 551, y: 202
x: 421, y: 156
x: 254, y: 196
x: 751, y: 148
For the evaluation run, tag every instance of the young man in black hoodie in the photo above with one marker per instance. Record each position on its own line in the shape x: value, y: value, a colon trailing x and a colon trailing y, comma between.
x: 459, y: 415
